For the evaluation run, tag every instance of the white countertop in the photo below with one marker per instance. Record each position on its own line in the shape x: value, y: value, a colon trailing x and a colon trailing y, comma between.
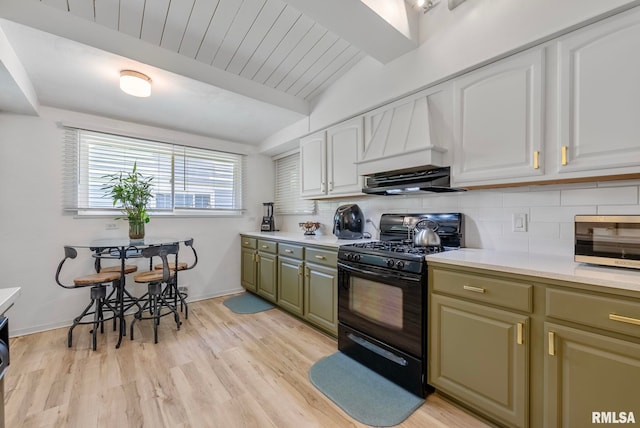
x: 544, y: 266
x: 300, y: 237
x: 7, y: 297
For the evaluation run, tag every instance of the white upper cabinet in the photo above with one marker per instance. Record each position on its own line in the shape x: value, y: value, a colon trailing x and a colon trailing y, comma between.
x: 408, y: 133
x: 497, y: 121
x: 328, y: 161
x: 313, y: 165
x: 599, y: 98
x: 344, y: 148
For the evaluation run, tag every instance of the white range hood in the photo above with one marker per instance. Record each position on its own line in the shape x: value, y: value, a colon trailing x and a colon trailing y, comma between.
x: 399, y: 136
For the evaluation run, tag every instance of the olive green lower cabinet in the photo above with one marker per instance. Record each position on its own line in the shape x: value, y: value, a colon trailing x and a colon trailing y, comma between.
x: 480, y: 356
x: 249, y: 271
x: 524, y: 351
x: 291, y: 278
x: 592, y: 366
x: 302, y: 280
x: 267, y: 270
x: 321, y: 289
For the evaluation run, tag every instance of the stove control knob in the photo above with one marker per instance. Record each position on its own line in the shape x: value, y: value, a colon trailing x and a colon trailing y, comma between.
x: 390, y: 262
x: 400, y: 265
x: 356, y: 257
x: 349, y: 256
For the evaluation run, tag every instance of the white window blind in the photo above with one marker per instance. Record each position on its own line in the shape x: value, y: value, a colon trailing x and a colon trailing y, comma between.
x: 184, y: 178
x: 288, y: 200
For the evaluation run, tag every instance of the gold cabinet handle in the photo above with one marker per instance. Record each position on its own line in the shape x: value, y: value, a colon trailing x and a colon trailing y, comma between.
x: 322, y: 186
x: 552, y: 343
x: 300, y: 270
x: 620, y: 318
x: 257, y: 258
x: 474, y: 289
x: 564, y: 155
x: 307, y: 271
x: 288, y: 251
x: 245, y: 243
x: 519, y: 333
x: 536, y: 159
x: 331, y: 186
x: 321, y: 257
x: 265, y: 246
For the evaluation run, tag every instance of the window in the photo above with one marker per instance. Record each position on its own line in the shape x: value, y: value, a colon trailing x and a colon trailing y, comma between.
x: 288, y: 199
x: 185, y: 179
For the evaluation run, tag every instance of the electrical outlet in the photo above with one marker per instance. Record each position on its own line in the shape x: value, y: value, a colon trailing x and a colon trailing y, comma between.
x: 111, y: 226
x: 519, y: 222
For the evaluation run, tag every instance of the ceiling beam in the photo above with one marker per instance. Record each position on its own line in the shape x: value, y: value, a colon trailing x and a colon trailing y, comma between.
x: 16, y: 91
x: 385, y: 30
x: 45, y: 18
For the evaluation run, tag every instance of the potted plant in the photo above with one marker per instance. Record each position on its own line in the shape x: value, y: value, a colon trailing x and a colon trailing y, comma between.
x: 132, y: 192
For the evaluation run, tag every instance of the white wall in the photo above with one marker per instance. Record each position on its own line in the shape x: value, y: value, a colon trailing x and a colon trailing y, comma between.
x: 33, y: 228
x: 488, y: 213
x: 452, y: 41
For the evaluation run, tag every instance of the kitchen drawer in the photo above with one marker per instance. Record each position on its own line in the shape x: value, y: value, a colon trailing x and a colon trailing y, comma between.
x: 267, y: 246
x: 608, y: 313
x: 293, y: 251
x: 247, y: 242
x: 483, y: 288
x: 323, y: 257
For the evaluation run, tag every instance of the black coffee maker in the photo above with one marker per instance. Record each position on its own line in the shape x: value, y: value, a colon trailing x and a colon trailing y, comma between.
x: 268, y: 224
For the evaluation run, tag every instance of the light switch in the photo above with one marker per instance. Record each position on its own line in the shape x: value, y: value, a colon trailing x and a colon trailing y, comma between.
x: 519, y: 222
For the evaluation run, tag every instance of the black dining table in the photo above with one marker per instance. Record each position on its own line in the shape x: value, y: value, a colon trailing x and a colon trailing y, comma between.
x: 123, y: 249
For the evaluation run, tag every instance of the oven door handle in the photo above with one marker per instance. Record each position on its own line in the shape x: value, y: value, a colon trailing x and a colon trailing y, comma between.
x: 376, y: 274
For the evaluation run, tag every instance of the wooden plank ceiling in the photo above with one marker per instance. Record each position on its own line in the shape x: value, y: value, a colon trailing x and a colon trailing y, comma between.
x: 266, y: 41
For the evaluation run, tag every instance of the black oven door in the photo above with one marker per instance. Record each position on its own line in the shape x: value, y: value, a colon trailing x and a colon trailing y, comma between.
x: 385, y: 304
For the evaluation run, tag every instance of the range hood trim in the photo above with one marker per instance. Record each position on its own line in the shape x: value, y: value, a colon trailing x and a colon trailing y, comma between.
x: 428, y: 179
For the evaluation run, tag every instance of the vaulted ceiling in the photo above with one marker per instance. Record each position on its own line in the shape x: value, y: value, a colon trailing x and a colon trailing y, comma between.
x: 233, y: 69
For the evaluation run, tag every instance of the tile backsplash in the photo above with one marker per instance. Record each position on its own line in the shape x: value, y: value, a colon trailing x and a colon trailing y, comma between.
x: 549, y: 210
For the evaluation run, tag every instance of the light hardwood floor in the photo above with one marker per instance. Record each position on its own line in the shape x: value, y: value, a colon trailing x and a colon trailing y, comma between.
x: 220, y: 370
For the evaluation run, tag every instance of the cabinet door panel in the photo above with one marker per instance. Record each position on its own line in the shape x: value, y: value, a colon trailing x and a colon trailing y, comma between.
x: 588, y: 373
x: 475, y: 356
x: 600, y: 95
x: 290, y: 285
x: 344, y: 148
x: 498, y: 120
x: 248, y: 272
x: 320, y: 297
x: 268, y: 276
x: 313, y: 165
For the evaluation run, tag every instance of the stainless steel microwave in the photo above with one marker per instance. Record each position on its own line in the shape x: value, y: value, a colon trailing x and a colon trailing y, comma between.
x: 611, y: 240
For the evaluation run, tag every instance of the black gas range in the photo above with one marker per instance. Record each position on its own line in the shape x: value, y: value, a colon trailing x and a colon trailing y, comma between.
x: 382, y: 296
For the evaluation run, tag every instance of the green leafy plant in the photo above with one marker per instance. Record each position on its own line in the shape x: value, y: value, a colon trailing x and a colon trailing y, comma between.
x: 132, y: 191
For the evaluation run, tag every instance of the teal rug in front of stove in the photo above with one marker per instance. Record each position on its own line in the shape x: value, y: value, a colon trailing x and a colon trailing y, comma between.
x: 362, y: 393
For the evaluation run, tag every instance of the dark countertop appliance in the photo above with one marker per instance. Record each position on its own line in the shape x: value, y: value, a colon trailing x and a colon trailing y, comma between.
x: 268, y: 223
x: 382, y: 296
x: 348, y: 222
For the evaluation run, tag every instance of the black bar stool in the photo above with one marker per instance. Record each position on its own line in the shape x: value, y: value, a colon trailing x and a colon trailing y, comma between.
x: 173, y: 289
x: 158, y: 280
x: 99, y: 302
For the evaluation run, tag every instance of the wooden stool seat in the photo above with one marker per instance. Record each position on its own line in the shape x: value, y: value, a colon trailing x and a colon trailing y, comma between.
x: 127, y: 269
x: 150, y: 276
x: 97, y: 278
x: 172, y: 266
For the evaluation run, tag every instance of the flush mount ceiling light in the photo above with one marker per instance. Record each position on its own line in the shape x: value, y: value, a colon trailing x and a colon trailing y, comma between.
x: 427, y: 5
x: 135, y: 83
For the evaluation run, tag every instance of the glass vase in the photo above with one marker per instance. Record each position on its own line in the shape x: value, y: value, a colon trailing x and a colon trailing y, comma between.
x: 136, y: 229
